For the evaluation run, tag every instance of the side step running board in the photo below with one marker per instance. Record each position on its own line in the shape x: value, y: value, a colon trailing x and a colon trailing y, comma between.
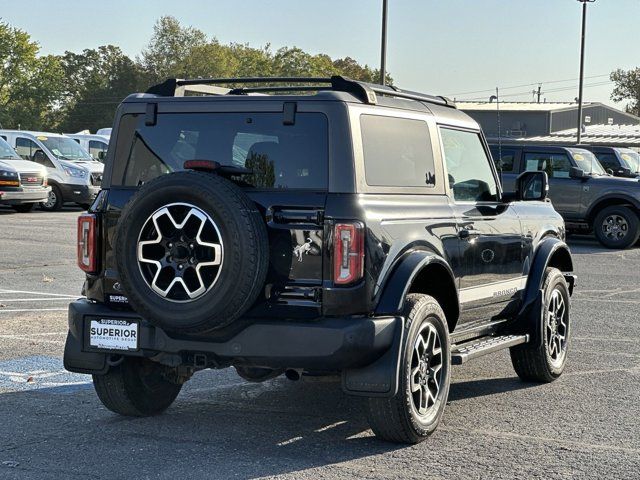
x: 462, y: 352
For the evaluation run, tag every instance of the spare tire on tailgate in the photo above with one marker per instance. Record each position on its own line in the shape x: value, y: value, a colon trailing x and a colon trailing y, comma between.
x: 191, y: 251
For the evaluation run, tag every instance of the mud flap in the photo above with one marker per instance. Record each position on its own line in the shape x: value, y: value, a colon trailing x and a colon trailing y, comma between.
x: 77, y: 361
x: 380, y: 378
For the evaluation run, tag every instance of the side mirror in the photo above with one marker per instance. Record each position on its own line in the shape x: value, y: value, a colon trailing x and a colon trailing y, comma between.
x: 532, y: 186
x: 576, y: 173
x: 102, y: 154
x: 610, y: 171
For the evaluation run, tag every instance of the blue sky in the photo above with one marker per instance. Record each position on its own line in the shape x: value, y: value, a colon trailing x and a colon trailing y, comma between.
x: 445, y: 47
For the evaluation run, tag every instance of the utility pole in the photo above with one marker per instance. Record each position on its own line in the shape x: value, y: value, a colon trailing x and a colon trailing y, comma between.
x: 539, y: 92
x: 584, y: 27
x: 383, y: 46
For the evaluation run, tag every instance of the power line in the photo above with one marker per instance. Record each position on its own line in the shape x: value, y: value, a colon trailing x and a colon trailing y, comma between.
x: 553, y: 90
x: 524, y: 85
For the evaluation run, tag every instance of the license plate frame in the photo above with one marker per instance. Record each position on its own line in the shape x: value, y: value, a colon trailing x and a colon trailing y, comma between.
x: 113, y: 334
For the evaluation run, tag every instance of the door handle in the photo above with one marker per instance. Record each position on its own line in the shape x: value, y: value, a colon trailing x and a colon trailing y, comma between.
x: 467, y: 233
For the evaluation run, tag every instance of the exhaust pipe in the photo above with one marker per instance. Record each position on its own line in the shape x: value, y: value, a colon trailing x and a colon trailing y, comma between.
x: 293, y: 375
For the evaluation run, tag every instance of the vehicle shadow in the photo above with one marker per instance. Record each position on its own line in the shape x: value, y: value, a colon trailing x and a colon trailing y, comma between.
x: 488, y: 386
x: 232, y: 430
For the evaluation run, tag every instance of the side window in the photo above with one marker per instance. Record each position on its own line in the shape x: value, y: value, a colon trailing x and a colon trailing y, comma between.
x: 507, y: 161
x: 96, y: 147
x: 397, y: 152
x: 608, y: 160
x: 4, y: 137
x: 557, y: 165
x: 469, y: 171
x: 25, y: 148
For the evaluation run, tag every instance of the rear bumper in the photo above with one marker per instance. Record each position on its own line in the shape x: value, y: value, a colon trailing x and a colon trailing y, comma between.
x: 79, y: 193
x: 24, y: 195
x: 326, y: 344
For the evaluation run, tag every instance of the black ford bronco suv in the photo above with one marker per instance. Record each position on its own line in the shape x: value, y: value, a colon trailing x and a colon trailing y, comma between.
x: 312, y: 226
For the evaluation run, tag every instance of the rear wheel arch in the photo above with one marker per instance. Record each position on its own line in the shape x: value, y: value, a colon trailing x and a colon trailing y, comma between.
x: 436, y: 280
x: 421, y: 272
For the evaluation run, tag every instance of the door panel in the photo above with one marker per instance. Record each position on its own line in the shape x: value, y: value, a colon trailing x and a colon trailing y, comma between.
x: 492, y: 254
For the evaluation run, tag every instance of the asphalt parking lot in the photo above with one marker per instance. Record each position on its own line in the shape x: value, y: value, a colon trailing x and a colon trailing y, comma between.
x: 585, y: 425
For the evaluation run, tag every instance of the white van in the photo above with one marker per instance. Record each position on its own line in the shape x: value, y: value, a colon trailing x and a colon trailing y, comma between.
x: 95, y: 144
x: 22, y: 183
x: 73, y: 175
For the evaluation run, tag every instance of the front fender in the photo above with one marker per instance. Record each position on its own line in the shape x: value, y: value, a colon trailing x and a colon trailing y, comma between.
x: 396, y: 285
x: 551, y: 251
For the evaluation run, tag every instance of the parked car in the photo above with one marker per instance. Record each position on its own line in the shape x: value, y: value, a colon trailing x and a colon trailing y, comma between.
x: 363, y: 231
x: 95, y: 144
x: 22, y: 183
x: 72, y: 174
x: 580, y: 189
x: 621, y: 162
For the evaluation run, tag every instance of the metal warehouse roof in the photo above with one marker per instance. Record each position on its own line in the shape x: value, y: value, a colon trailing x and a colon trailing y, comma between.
x: 521, y: 106
x: 614, y: 135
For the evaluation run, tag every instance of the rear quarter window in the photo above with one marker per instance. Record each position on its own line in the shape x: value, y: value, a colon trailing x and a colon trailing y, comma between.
x: 278, y: 156
x: 397, y: 152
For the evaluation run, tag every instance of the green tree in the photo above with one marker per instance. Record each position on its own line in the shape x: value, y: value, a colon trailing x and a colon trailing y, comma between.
x: 169, y: 45
x: 96, y: 81
x: 627, y: 88
x: 30, y: 85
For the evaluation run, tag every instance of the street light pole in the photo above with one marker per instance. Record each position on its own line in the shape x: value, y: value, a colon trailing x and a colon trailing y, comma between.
x: 584, y: 26
x: 383, y: 46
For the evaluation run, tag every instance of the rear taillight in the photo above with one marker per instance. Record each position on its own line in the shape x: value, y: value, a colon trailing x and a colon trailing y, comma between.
x: 348, y: 253
x: 87, y: 239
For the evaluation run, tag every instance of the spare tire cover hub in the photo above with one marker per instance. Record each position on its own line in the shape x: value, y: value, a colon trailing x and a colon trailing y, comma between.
x: 180, y: 252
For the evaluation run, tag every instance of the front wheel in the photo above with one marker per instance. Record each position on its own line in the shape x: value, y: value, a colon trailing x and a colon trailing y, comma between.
x: 415, y: 411
x: 617, y: 227
x: 54, y: 201
x: 137, y: 387
x: 545, y: 359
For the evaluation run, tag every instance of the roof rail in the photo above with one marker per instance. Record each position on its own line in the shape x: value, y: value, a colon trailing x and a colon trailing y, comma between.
x: 367, y: 92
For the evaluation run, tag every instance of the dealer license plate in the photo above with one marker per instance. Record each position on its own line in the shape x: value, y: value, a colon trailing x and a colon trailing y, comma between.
x: 113, y: 334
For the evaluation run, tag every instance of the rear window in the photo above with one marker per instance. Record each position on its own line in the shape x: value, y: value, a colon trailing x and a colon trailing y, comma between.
x: 397, y: 152
x: 278, y: 156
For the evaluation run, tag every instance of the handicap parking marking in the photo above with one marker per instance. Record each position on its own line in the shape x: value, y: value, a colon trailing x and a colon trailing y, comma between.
x: 40, y: 372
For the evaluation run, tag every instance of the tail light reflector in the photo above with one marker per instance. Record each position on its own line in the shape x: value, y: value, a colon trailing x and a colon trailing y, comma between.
x: 87, y: 242
x: 348, y: 253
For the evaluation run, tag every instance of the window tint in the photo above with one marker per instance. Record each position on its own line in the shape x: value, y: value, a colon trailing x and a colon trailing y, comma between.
x: 275, y: 155
x: 397, y: 152
x: 507, y: 162
x: 557, y: 165
x: 469, y: 171
x: 608, y: 160
x: 26, y: 148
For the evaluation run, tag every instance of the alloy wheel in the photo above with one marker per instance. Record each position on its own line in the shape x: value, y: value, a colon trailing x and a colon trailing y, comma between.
x: 180, y: 252
x: 557, y: 328
x: 615, y: 227
x: 426, y: 370
x: 51, y: 200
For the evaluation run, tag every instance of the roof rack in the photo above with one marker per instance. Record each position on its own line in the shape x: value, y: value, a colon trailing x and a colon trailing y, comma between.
x: 367, y: 92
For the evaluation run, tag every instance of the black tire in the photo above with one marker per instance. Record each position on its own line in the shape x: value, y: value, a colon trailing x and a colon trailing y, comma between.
x: 24, y: 207
x: 617, y: 227
x: 136, y: 387
x: 54, y: 202
x: 397, y: 419
x: 535, y: 362
x: 235, y: 224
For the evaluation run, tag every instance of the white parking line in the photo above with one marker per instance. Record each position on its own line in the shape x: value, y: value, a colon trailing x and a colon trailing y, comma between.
x: 56, y: 299
x: 2, y: 291
x: 14, y: 310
